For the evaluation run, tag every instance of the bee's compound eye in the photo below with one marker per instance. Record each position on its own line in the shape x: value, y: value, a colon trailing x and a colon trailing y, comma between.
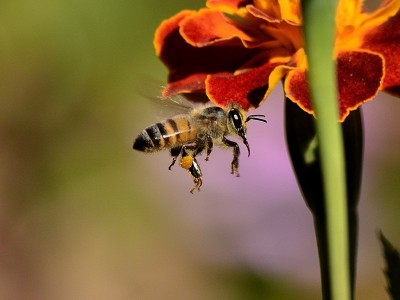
x: 236, y: 118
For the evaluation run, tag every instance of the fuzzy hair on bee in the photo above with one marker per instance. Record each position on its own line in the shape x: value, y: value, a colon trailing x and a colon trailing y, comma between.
x: 186, y: 135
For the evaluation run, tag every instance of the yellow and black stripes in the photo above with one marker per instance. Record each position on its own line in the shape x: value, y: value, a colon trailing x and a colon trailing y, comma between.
x: 167, y: 134
x: 171, y: 135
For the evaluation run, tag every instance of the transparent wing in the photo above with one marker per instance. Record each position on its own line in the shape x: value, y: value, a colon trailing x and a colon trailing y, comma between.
x: 164, y: 108
x: 176, y: 105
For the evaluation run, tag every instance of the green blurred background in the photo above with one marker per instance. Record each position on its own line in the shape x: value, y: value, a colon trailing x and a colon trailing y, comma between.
x: 83, y: 216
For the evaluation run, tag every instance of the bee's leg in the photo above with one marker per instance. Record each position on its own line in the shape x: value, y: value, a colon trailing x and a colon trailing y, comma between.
x: 195, y: 171
x: 192, y: 149
x: 209, y: 146
x: 236, y: 153
x: 174, y: 153
x: 189, y: 163
x: 187, y: 147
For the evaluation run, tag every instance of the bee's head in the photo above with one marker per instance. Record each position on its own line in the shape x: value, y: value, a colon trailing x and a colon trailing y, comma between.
x: 238, y: 120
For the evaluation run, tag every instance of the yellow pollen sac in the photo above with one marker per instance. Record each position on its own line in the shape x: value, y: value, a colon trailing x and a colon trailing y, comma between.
x: 186, y: 162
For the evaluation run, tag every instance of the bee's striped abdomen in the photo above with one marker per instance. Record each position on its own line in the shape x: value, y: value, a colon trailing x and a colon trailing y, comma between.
x: 167, y: 134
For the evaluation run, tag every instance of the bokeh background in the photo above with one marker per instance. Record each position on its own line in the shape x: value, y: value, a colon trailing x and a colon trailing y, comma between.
x: 83, y: 216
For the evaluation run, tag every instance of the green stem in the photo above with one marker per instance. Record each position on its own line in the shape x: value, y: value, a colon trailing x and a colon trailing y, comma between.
x: 319, y: 37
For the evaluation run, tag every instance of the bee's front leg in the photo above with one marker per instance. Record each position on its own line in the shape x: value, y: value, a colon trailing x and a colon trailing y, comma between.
x: 174, y: 153
x: 209, y: 146
x: 236, y: 153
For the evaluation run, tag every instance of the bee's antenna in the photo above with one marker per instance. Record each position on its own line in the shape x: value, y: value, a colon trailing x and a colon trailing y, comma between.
x: 247, y: 145
x: 257, y: 118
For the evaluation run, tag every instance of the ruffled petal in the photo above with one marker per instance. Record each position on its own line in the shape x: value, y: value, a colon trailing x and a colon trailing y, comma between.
x: 295, y: 84
x: 359, y: 79
x: 385, y: 11
x: 191, y: 83
x: 266, y: 15
x: 353, y: 23
x: 296, y: 89
x: 285, y: 34
x: 208, y: 26
x: 346, y: 13
x: 228, y: 6
x: 385, y: 39
x: 269, y: 8
x: 278, y: 10
x: 248, y: 88
x: 360, y: 76
x: 167, y: 28
x: 290, y: 11
x: 188, y: 66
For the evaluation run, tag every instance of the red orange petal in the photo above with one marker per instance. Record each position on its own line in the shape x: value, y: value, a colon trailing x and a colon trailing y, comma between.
x: 271, y: 8
x: 291, y: 11
x: 359, y: 79
x: 247, y: 88
x: 385, y: 39
x: 229, y: 6
x: 189, y: 84
x: 263, y: 14
x: 296, y: 89
x: 277, y: 11
x: 346, y: 12
x: 360, y: 76
x: 188, y: 66
x: 167, y: 27
x: 207, y: 26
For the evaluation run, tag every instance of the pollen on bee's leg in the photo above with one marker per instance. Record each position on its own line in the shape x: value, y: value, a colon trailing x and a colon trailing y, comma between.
x: 195, y: 172
x: 186, y: 162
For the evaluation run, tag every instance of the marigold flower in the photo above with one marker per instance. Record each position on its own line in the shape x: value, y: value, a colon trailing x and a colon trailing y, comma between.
x: 238, y: 50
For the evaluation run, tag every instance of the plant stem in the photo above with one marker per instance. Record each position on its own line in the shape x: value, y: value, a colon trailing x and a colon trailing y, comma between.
x: 319, y: 36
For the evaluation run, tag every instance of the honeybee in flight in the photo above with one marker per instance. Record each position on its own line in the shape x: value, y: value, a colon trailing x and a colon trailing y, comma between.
x: 190, y: 134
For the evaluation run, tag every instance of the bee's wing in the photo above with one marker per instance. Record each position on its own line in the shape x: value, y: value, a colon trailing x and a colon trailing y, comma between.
x: 173, y: 106
x: 165, y: 107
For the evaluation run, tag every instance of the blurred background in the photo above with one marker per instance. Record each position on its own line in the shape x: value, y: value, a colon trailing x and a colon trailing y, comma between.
x: 83, y: 216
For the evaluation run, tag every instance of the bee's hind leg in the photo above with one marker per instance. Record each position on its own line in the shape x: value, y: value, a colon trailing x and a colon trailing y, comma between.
x: 188, y: 161
x: 236, y: 153
x: 195, y: 171
x: 174, y: 153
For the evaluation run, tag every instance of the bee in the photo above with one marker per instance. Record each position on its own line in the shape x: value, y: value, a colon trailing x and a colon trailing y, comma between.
x: 195, y: 132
